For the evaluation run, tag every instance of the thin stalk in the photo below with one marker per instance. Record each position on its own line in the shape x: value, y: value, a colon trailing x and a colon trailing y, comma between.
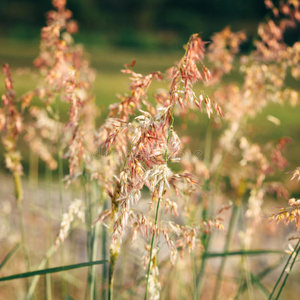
x: 112, y: 262
x: 9, y: 255
x: 205, y: 241
x: 193, y: 263
x: 19, y: 197
x: 158, y: 203
x: 293, y: 256
x: 94, y: 256
x: 95, y: 244
x: 262, y: 288
x: 123, y: 264
x: 61, y: 198
x: 247, y: 273
x: 245, y: 270
x: 248, y: 278
x: 23, y: 236
x: 232, y: 226
x: 151, y: 249
x: 104, y: 271
x: 241, y: 253
x: 42, y: 265
x: 48, y: 284
x: 280, y: 276
x: 48, y: 179
x: 206, y: 238
x: 268, y: 270
x: 90, y: 232
x: 212, y: 182
x: 114, y: 249
x: 257, y: 278
x: 36, y: 278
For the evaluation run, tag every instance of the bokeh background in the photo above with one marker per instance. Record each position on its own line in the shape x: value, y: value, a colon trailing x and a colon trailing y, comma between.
x: 145, y: 24
x: 114, y: 32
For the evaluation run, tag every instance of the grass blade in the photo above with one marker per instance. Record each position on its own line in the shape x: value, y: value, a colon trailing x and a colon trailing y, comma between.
x: 282, y: 272
x: 262, y: 288
x: 232, y: 226
x: 53, y: 270
x: 261, y: 275
x: 9, y: 255
x: 293, y: 255
x: 241, y: 252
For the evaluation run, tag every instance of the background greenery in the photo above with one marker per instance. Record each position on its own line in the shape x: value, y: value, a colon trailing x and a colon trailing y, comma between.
x: 124, y: 20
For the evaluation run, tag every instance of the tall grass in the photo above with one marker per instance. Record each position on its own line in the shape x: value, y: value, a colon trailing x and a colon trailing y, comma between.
x: 144, y: 194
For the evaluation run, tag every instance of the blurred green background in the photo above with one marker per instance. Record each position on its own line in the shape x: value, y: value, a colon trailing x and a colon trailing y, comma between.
x: 135, y: 23
x: 152, y: 32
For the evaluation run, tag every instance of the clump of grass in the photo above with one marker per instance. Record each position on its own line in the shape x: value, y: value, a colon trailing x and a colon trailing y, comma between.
x: 137, y: 175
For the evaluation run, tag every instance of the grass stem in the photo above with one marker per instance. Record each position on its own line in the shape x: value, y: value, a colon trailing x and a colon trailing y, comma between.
x: 286, y: 270
x: 232, y: 226
x: 60, y: 182
x: 151, y: 249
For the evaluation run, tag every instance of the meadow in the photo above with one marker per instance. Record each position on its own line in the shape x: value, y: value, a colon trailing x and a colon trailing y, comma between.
x: 111, y: 181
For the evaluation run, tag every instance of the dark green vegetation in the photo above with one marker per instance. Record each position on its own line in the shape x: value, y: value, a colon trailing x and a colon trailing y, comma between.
x: 135, y: 23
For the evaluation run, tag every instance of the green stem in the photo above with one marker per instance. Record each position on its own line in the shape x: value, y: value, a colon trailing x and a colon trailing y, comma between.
x: 61, y: 198
x: 232, y: 226
x: 151, y: 249
x: 112, y: 262
x: 94, y: 256
x: 158, y: 203
x: 90, y: 232
x: 257, y: 278
x: 293, y: 256
x: 48, y: 284
x: 48, y: 178
x: 241, y: 253
x: 245, y: 272
x: 201, y: 278
x: 36, y: 278
x: 95, y: 241
x: 42, y: 265
x: 104, y: 272
x: 248, y: 278
x: 18, y: 188
x: 194, y: 268
x: 23, y: 236
x: 19, y: 197
x: 206, y: 238
x: 9, y: 255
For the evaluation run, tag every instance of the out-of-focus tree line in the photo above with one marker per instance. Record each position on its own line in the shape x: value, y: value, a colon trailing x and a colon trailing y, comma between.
x: 127, y: 21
